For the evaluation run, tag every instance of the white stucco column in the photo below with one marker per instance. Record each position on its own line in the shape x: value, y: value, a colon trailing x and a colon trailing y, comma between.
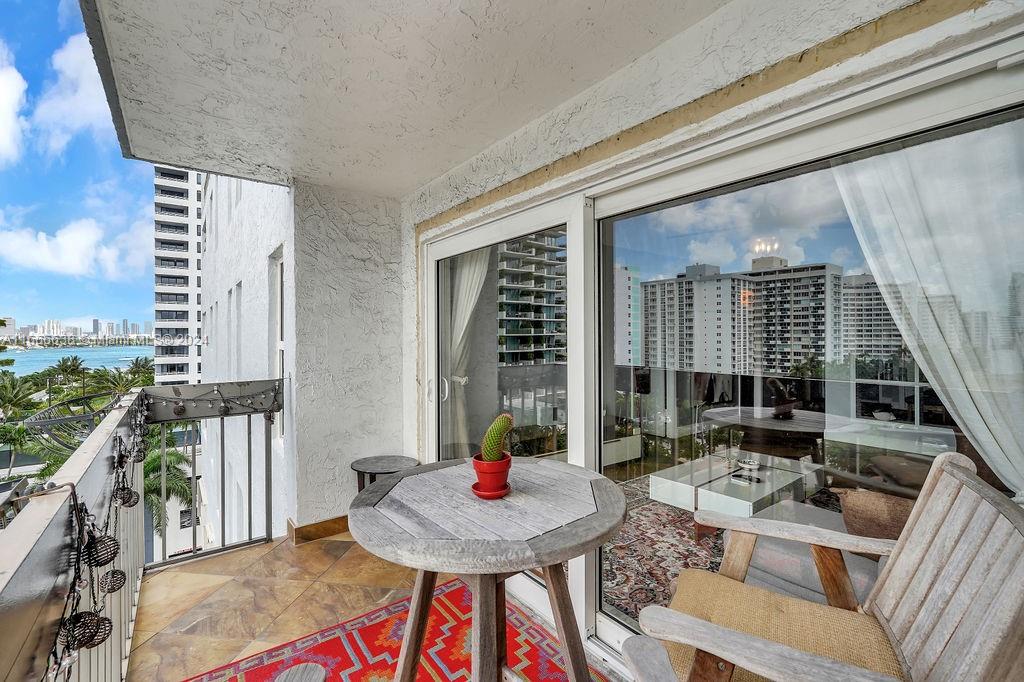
x: 348, y: 375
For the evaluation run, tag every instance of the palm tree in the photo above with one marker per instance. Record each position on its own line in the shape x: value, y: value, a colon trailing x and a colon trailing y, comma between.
x: 15, y: 396
x: 114, y: 380
x: 16, y: 436
x: 70, y: 367
x: 179, y: 484
x: 141, y: 366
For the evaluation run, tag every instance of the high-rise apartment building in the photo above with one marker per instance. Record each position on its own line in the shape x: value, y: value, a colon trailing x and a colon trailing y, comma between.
x: 95, y: 327
x: 798, y: 313
x: 531, y: 300
x: 629, y: 321
x: 869, y: 329
x: 699, y: 321
x: 764, y: 320
x: 177, y: 205
x: 9, y: 328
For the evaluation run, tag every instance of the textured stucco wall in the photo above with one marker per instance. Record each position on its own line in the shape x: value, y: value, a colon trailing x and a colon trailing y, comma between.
x: 354, y: 360
x: 741, y: 38
x: 348, y: 367
x: 247, y: 222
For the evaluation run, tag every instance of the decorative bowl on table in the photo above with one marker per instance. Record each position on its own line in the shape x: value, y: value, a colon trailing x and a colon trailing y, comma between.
x: 748, y: 464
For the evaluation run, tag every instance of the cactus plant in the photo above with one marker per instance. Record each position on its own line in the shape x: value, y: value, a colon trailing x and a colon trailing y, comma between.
x: 494, y: 440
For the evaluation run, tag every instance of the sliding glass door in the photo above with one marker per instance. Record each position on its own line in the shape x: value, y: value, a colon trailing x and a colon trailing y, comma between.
x: 502, y: 345
x: 801, y: 346
x: 798, y: 345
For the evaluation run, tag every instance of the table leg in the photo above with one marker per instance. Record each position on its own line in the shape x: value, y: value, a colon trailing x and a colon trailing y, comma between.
x: 499, y: 622
x: 415, y: 626
x: 485, y: 666
x: 360, y: 481
x: 565, y: 622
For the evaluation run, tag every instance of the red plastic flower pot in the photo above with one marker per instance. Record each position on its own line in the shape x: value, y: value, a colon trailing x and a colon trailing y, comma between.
x: 491, y: 477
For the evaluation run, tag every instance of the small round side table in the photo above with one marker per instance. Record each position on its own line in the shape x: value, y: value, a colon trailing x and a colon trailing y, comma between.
x: 380, y: 465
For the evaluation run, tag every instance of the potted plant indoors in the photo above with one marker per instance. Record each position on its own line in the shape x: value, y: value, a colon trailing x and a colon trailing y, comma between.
x: 493, y: 462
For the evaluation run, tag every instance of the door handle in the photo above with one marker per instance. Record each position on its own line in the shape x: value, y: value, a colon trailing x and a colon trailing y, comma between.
x: 444, y: 383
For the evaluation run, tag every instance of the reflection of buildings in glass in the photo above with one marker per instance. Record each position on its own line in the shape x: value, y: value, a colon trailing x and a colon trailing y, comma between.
x: 764, y: 320
x: 532, y: 333
x: 798, y: 313
x: 531, y: 300
x: 628, y: 315
x: 869, y: 330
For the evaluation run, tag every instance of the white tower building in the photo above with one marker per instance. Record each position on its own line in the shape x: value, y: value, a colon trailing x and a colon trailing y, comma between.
x: 177, y: 263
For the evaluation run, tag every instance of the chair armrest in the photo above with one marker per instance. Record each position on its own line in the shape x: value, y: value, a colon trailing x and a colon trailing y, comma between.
x: 760, y: 656
x: 647, y: 659
x: 785, y: 530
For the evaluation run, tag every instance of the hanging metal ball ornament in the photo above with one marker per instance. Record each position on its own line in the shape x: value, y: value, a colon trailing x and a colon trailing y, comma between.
x: 100, y: 550
x: 121, y: 493
x: 79, y: 630
x: 139, y: 453
x: 104, y: 626
x: 131, y: 499
x: 113, y: 580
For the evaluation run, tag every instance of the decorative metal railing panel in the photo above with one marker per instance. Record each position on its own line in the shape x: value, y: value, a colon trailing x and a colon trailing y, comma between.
x: 44, y: 549
x: 192, y: 452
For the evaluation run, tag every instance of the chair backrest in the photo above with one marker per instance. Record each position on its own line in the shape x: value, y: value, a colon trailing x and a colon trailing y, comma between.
x: 951, y: 594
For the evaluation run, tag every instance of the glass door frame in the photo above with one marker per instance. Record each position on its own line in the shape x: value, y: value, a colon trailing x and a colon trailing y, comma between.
x: 576, y: 213
x: 968, y: 84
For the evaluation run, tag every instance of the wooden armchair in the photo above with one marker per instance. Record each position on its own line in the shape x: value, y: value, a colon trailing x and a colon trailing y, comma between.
x: 948, y: 605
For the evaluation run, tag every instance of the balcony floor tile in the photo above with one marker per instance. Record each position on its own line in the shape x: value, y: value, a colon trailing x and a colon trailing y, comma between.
x: 166, y: 596
x: 326, y: 604
x: 203, y: 614
x: 298, y: 562
x: 167, y: 656
x: 240, y: 609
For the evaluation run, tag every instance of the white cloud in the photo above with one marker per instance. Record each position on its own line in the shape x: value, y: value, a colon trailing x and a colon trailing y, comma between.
x: 75, y: 102
x: 840, y: 255
x: 12, y: 99
x: 67, y: 13
x: 791, y: 211
x: 80, y: 248
x: 715, y: 251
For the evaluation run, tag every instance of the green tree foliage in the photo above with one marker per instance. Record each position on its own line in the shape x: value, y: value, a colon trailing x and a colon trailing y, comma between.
x: 15, y: 397
x: 114, y: 380
x: 14, y: 436
x: 179, y: 486
x: 4, y: 362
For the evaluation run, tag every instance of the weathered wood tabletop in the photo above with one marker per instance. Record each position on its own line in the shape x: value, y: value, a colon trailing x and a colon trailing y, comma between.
x: 428, y: 518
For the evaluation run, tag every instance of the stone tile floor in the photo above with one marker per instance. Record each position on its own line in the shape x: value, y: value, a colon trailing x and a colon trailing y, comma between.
x: 203, y: 614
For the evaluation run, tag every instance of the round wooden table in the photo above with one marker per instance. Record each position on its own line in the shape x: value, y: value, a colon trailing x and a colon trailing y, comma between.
x: 427, y: 518
x: 380, y: 465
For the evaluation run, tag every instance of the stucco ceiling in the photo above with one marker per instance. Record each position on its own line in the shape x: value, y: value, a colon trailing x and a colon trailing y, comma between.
x: 374, y: 95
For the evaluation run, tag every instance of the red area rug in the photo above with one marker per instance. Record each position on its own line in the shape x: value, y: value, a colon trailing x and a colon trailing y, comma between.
x: 365, y: 649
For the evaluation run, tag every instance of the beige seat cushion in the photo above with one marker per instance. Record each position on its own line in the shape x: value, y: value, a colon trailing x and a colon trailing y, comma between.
x: 847, y: 636
x: 872, y: 514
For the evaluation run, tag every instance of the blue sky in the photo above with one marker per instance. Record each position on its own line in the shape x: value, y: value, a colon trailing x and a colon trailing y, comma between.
x: 75, y: 217
x: 804, y: 215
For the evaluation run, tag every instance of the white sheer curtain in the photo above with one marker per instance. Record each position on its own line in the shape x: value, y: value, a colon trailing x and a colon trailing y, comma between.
x: 941, y: 225
x: 470, y: 274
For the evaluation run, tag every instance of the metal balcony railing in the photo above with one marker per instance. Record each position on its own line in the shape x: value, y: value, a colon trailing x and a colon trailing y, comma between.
x: 182, y: 433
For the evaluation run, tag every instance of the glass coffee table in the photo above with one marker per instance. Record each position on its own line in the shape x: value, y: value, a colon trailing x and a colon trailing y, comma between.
x: 717, y: 483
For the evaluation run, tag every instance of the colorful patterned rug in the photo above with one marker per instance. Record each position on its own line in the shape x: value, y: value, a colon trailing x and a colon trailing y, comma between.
x: 655, y: 544
x: 365, y: 649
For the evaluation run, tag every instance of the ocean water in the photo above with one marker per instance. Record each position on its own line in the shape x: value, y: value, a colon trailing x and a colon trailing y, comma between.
x: 94, y: 357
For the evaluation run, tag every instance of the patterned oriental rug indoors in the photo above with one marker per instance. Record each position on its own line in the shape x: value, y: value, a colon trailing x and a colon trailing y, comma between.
x: 365, y: 649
